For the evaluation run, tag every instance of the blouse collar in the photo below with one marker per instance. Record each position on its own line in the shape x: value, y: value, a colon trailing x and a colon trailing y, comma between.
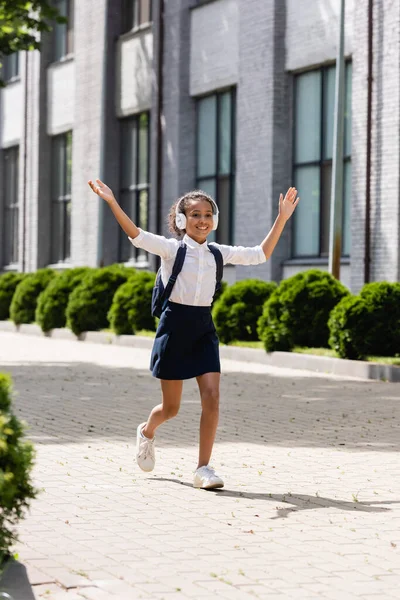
x: 193, y: 244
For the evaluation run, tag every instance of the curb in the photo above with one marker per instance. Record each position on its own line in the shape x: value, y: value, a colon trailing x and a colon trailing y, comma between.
x: 290, y: 360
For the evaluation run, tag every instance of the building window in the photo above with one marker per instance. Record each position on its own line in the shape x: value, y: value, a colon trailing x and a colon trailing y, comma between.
x: 11, y: 67
x: 61, y: 198
x: 11, y: 209
x: 312, y: 167
x: 215, y: 169
x: 64, y: 32
x: 136, y: 13
x: 134, y: 177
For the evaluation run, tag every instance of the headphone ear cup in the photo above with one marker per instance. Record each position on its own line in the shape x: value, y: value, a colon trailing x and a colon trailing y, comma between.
x: 180, y: 220
x: 215, y: 222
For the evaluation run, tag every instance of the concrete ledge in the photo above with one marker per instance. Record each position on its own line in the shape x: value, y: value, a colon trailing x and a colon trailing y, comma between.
x: 135, y: 341
x: 310, y: 362
x: 97, y: 337
x: 290, y: 360
x: 63, y: 334
x: 8, y: 326
x: 31, y: 329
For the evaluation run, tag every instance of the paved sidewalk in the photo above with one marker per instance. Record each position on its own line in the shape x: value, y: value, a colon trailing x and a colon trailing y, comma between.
x: 311, y: 507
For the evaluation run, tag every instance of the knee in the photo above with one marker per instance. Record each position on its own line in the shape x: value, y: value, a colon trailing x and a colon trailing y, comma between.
x: 210, y: 400
x: 170, y: 411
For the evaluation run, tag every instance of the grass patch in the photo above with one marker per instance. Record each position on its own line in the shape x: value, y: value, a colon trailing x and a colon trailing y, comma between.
x: 385, y: 360
x: 146, y: 333
x: 257, y: 344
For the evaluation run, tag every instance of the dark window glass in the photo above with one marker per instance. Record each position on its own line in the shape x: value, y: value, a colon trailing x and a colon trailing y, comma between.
x: 11, y: 208
x: 134, y: 177
x: 312, y: 168
x: 64, y: 32
x: 61, y: 198
x: 11, y: 66
x: 215, y: 171
x: 136, y: 13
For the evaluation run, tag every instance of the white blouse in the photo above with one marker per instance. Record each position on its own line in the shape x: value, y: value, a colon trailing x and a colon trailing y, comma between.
x: 195, y: 284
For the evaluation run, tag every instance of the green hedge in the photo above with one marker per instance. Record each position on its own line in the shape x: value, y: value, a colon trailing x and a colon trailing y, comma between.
x: 238, y: 309
x: 89, y: 303
x: 368, y: 324
x: 53, y: 301
x: 297, y: 312
x: 16, y: 461
x: 131, y: 307
x: 8, y: 285
x: 24, y: 302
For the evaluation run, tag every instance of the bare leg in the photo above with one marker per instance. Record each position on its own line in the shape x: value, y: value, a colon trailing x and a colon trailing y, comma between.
x: 209, y: 393
x: 171, y: 401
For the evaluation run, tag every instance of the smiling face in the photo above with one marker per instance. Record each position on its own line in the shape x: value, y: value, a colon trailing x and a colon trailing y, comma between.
x: 199, y: 220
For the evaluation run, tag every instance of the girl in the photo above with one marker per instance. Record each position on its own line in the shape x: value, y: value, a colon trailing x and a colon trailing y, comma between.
x: 186, y: 344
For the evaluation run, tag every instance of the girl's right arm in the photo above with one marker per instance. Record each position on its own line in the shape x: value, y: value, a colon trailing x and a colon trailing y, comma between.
x: 102, y: 190
x: 155, y: 244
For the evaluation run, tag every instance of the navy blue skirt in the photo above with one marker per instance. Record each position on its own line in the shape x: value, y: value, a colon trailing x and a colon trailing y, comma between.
x: 186, y: 343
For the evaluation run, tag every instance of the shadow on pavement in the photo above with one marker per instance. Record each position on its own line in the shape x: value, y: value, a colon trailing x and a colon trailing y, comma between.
x: 299, y: 502
x: 67, y: 403
x: 15, y: 582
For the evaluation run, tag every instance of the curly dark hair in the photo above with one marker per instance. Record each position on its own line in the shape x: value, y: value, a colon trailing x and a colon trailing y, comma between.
x: 184, y: 202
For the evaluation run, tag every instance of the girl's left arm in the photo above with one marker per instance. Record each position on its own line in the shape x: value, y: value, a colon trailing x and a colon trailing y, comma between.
x: 287, y: 205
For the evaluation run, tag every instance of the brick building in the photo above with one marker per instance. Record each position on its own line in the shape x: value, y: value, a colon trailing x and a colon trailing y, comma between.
x: 233, y: 96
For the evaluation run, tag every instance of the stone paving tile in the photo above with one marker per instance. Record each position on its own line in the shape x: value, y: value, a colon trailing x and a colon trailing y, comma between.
x: 311, y: 506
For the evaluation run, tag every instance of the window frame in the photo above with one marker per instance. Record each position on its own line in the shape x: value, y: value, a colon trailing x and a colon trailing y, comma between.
x: 69, y: 32
x: 321, y: 163
x: 64, y: 243
x: 136, y: 255
x: 232, y: 159
x: 131, y: 12
x: 10, y: 254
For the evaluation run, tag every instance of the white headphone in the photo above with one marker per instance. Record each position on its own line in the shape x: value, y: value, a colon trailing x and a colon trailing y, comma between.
x: 180, y: 217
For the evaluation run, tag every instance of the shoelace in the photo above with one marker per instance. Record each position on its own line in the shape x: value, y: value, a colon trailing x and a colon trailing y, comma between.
x: 146, y: 450
x: 209, y: 472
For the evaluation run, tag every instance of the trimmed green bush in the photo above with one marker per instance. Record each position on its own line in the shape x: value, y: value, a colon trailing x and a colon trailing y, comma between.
x: 16, y: 461
x: 368, y: 324
x: 238, y: 309
x: 8, y: 285
x: 297, y: 312
x: 347, y: 324
x: 131, y: 307
x: 23, y: 305
x: 89, y: 303
x: 53, y: 301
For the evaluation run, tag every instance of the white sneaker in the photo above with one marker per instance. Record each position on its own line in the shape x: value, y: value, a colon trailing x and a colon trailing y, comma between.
x: 207, y: 479
x: 145, y: 456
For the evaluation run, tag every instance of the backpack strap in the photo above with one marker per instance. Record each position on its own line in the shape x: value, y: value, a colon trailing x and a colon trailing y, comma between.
x: 176, y: 269
x: 220, y: 266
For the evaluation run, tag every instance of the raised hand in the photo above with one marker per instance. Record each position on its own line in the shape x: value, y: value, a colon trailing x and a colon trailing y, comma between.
x: 102, y: 190
x: 288, y: 203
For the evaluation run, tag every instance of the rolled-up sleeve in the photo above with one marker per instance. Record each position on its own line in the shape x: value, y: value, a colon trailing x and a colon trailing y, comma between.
x: 240, y: 255
x: 155, y: 244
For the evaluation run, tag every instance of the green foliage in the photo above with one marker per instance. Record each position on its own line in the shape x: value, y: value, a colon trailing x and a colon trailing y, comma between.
x: 22, y: 22
x: 23, y: 305
x: 131, y: 307
x: 297, y: 312
x: 368, y: 324
x: 238, y: 309
x: 16, y: 461
x: 89, y: 303
x: 53, y: 301
x: 8, y: 285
